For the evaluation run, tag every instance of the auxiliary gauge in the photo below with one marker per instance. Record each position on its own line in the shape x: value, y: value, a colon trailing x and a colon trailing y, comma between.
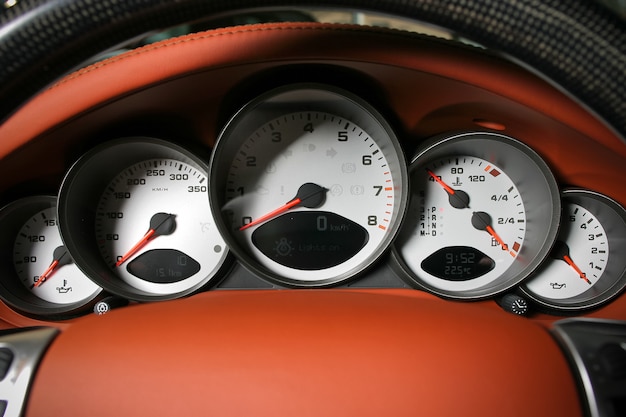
x: 483, y: 213
x: 586, y: 266
x: 309, y: 185
x: 135, y: 216
x: 41, y: 278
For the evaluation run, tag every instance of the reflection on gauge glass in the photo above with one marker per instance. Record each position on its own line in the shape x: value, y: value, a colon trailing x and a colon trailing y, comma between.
x: 586, y: 266
x: 310, y: 184
x: 42, y: 278
x: 483, y: 213
x: 149, y: 230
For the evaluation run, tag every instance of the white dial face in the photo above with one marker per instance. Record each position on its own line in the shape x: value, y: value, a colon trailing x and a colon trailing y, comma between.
x: 580, y: 257
x: 154, y: 227
x: 471, y: 224
x: 311, y: 196
x: 43, y: 264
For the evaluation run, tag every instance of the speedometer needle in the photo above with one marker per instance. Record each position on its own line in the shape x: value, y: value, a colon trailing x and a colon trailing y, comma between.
x: 309, y: 195
x: 60, y: 257
x: 160, y: 224
x: 458, y: 198
x: 560, y: 251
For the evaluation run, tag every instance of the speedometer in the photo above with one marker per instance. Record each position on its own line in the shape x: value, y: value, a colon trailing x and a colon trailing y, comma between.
x: 484, y: 213
x: 135, y: 217
x: 310, y: 185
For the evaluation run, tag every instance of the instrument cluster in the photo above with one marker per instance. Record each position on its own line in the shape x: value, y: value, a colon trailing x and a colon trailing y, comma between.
x: 308, y: 186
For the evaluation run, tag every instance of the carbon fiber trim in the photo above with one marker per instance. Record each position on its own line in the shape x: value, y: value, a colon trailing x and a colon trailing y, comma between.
x: 577, y: 44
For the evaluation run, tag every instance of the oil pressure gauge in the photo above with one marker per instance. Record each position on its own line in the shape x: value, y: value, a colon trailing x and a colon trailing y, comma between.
x: 41, y: 278
x: 483, y: 213
x: 586, y: 266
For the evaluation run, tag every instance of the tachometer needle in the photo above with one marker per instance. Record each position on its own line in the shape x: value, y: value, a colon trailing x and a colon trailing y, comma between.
x: 160, y: 224
x: 309, y: 195
x: 60, y: 257
x: 457, y: 198
x: 560, y: 251
x: 482, y: 221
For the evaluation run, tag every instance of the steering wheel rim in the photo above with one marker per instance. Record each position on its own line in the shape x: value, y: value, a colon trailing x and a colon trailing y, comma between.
x: 579, y: 46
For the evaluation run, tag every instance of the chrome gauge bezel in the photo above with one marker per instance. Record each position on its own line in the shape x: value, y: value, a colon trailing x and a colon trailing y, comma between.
x: 13, y: 217
x: 537, y: 188
x: 612, y: 216
x: 80, y: 194
x: 290, y: 99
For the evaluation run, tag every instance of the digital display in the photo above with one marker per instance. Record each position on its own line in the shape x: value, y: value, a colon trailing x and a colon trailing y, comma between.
x: 458, y: 263
x: 310, y: 240
x: 163, y: 266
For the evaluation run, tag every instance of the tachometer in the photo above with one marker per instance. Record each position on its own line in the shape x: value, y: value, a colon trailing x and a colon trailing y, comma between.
x: 483, y: 214
x: 310, y: 185
x: 136, y: 217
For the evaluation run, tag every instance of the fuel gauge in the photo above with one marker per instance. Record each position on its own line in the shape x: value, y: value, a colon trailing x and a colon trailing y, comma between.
x: 483, y: 214
x: 585, y: 268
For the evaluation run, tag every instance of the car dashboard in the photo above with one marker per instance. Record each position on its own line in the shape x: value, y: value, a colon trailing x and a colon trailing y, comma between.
x: 396, y: 218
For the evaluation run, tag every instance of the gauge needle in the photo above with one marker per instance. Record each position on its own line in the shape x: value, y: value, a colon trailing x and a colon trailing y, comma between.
x: 309, y: 195
x: 458, y: 198
x: 482, y: 221
x: 60, y: 257
x: 560, y: 251
x: 160, y: 224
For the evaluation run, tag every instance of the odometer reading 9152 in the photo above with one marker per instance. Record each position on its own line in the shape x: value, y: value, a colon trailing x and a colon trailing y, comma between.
x: 470, y: 203
x: 458, y: 263
x: 472, y: 197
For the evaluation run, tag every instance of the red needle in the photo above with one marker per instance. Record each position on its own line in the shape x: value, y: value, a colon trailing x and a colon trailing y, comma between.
x: 482, y: 221
x: 309, y: 195
x: 457, y: 198
x: 560, y: 251
x: 445, y: 186
x: 160, y: 224
x: 46, y: 273
x: 580, y: 273
x: 497, y: 237
x: 59, y: 258
x: 272, y: 213
x: 135, y: 248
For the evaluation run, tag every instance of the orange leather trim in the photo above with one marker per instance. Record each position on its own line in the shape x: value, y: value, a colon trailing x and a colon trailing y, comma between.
x: 277, y: 42
x: 304, y: 353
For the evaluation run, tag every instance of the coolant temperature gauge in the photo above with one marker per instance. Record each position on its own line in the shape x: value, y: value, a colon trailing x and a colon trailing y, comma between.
x: 585, y: 267
x: 483, y: 213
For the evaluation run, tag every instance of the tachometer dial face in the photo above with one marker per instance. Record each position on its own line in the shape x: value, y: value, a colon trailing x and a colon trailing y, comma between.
x: 41, y: 278
x: 310, y: 185
x: 584, y: 268
x: 152, y: 233
x: 483, y: 214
